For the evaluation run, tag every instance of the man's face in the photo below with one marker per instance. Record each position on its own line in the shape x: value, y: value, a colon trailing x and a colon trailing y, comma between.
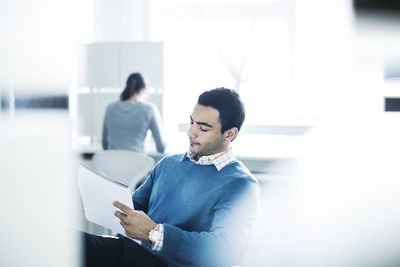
x: 205, y: 131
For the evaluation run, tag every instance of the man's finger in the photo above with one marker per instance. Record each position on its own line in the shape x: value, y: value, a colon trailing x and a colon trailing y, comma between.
x: 120, y: 215
x: 122, y: 207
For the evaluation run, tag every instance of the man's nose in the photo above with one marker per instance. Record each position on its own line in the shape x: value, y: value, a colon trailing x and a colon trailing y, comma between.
x: 192, y: 131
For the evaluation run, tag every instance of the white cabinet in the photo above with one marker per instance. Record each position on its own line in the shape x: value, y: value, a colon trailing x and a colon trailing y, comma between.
x: 104, y: 68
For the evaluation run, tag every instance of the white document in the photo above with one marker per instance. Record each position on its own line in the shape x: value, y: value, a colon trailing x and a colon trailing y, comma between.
x: 98, y: 192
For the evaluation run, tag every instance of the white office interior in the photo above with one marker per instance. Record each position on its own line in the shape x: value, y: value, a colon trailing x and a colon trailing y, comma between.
x: 320, y: 81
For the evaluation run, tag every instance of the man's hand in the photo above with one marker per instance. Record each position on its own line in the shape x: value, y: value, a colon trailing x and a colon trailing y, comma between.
x: 136, y: 223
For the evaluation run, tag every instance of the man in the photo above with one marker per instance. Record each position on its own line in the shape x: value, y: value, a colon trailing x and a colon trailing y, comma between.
x: 194, y: 209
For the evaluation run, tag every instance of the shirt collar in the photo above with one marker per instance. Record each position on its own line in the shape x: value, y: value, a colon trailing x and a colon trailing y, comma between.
x: 219, y: 160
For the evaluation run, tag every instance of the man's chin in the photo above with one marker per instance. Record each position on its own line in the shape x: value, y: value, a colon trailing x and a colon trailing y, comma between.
x: 193, y: 151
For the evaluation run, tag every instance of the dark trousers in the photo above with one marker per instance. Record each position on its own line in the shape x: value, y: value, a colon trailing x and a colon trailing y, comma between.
x: 116, y: 252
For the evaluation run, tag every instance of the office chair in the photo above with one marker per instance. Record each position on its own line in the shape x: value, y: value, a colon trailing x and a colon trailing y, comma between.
x: 124, y: 166
x: 241, y: 255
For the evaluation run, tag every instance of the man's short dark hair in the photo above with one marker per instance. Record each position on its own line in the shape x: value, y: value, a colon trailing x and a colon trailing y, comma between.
x: 228, y: 103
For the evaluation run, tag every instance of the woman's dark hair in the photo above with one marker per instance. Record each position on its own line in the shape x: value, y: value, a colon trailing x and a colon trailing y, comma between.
x: 228, y: 103
x: 134, y: 84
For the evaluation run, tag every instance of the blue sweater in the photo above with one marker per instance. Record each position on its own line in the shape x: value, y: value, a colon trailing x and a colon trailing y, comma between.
x: 207, y: 215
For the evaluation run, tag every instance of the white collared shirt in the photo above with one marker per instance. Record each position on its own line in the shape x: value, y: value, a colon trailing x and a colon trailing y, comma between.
x: 219, y: 160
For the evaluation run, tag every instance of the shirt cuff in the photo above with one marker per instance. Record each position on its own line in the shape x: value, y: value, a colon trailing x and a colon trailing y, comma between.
x: 158, y: 238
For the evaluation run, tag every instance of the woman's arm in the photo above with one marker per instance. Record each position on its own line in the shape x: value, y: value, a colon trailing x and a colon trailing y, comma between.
x: 155, y: 127
x: 104, y: 140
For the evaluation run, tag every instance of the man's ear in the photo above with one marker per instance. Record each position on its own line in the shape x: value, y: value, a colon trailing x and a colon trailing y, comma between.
x: 230, y: 134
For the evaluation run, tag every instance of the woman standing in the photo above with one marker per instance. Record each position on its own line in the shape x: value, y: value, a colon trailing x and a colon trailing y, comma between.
x: 127, y: 121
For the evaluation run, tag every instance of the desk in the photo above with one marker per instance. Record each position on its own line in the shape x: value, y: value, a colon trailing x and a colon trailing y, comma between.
x: 260, y: 153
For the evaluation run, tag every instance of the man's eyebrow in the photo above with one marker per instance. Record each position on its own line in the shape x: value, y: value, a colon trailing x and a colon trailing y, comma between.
x: 202, y: 123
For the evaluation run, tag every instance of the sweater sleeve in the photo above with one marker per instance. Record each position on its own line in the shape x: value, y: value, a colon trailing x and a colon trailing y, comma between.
x: 155, y: 127
x: 234, y: 215
x: 141, y: 196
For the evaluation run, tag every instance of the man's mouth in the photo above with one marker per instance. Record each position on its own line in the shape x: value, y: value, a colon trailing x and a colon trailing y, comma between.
x: 194, y: 143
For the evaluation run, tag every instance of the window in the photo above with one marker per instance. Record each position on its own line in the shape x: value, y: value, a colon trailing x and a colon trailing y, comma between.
x: 245, y: 45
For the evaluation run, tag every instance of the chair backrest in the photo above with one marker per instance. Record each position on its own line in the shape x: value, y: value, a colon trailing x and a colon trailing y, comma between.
x: 125, y: 166
x: 241, y: 255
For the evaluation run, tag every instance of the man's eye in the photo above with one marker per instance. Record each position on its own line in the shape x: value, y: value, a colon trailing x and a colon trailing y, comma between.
x: 203, y: 130
x: 191, y: 122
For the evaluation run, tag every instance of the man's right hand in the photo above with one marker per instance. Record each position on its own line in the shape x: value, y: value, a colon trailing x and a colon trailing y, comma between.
x: 136, y: 223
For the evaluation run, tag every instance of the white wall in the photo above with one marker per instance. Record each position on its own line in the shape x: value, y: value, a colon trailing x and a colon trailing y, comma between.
x: 38, y: 192
x: 38, y: 44
x: 120, y: 21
